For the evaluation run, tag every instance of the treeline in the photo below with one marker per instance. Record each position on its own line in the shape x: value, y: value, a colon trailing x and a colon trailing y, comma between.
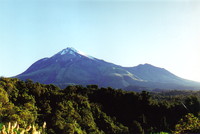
x: 94, y: 110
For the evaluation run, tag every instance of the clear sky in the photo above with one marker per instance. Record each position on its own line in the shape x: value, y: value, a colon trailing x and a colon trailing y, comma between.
x: 164, y: 33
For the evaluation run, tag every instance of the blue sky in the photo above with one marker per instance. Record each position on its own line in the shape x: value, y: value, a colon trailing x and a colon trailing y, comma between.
x: 164, y: 33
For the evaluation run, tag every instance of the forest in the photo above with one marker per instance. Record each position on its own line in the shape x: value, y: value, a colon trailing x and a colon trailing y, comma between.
x: 97, y: 110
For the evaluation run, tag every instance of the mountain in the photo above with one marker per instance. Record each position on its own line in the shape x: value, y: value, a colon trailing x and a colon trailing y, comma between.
x: 70, y: 66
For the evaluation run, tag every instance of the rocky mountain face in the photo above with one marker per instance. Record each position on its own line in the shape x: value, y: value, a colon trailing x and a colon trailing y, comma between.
x: 70, y: 66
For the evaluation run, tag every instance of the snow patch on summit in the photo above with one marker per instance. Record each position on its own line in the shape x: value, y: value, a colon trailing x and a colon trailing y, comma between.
x: 74, y: 52
x: 68, y: 50
x: 83, y: 54
x: 63, y: 52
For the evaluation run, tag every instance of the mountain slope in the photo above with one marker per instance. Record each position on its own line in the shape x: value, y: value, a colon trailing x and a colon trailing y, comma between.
x: 148, y: 72
x: 70, y: 66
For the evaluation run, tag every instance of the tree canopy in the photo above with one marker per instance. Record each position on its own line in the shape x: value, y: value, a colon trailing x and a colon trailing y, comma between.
x: 78, y: 109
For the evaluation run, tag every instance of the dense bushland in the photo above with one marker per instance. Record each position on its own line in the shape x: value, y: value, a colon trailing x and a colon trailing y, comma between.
x: 91, y: 109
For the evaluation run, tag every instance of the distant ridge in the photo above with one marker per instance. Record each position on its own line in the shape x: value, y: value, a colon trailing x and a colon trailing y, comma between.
x: 71, y: 66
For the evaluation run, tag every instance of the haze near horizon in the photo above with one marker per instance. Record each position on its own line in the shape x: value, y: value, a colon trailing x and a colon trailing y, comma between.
x: 163, y: 33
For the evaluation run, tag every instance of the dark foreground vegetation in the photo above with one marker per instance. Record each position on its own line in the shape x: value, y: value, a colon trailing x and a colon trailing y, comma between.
x: 93, y: 110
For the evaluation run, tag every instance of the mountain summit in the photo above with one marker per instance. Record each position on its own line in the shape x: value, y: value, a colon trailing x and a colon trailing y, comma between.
x: 74, y: 52
x: 70, y: 66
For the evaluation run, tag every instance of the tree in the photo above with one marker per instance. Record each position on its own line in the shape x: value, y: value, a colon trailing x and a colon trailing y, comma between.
x: 136, y: 128
x: 193, y: 105
x: 188, y: 124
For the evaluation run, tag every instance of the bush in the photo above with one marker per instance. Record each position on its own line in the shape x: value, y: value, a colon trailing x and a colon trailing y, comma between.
x: 13, y: 128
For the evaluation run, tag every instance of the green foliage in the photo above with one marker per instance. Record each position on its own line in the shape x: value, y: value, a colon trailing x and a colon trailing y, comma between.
x: 1, y: 125
x: 188, y: 124
x: 94, y: 110
x: 136, y: 128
